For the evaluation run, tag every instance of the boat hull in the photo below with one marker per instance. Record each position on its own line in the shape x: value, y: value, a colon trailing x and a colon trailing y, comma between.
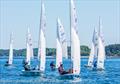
x: 87, y: 66
x: 32, y: 73
x: 8, y: 64
x: 69, y: 76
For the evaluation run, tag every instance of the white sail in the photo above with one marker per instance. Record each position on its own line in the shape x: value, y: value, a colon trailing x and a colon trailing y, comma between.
x: 43, y: 52
x: 30, y: 44
x: 64, y: 49
x: 75, y: 43
x: 29, y: 53
x: 42, y: 40
x: 58, y: 53
x: 91, y: 57
x: 101, y: 54
x: 101, y: 48
x: 10, y: 61
x: 93, y: 53
x: 100, y: 33
x: 76, y: 52
x: 62, y: 38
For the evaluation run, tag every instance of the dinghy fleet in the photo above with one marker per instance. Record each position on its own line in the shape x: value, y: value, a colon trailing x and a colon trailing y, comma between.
x: 96, y: 58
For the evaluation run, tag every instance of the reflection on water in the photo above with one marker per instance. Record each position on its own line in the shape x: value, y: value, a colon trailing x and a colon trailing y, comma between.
x: 110, y: 75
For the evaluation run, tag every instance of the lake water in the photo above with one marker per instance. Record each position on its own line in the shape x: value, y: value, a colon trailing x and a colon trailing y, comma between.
x: 12, y: 75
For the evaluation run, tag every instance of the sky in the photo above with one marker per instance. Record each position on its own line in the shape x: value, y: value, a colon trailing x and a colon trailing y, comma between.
x: 17, y: 15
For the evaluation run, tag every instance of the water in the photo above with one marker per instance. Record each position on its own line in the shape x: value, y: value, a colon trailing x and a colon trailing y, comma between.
x: 111, y: 74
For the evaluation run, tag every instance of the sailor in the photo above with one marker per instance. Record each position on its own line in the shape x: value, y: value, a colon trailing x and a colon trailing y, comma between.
x: 52, y: 65
x: 26, y: 66
x: 62, y: 71
x: 6, y: 63
x: 95, y: 64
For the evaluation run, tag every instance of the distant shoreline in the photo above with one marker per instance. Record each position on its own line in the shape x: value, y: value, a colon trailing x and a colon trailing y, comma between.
x: 53, y: 57
x: 112, y: 50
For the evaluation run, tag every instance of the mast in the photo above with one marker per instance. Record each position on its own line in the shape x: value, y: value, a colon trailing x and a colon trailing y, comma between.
x: 70, y: 29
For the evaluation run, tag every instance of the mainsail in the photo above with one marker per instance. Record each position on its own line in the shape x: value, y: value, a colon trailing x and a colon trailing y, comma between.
x: 97, y: 55
x: 101, y: 48
x: 101, y: 54
x: 29, y: 47
x: 60, y: 39
x: 91, y: 57
x: 10, y: 61
x: 42, y: 40
x: 63, y: 39
x: 64, y: 49
x: 75, y: 43
x: 58, y: 53
x: 100, y: 33
x: 93, y: 53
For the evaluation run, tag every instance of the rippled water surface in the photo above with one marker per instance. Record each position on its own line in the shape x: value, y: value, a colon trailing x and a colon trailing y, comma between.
x: 13, y: 75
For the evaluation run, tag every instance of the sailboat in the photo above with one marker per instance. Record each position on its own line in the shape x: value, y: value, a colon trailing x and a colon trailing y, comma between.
x: 97, y: 55
x: 75, y: 42
x: 39, y: 70
x: 42, y: 41
x: 75, y: 45
x: 94, y: 49
x: 29, y: 53
x: 63, y: 40
x: 10, y: 60
x: 101, y: 48
x: 60, y: 34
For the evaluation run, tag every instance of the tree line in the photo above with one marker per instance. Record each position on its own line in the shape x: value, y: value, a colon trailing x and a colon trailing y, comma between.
x: 111, y: 50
